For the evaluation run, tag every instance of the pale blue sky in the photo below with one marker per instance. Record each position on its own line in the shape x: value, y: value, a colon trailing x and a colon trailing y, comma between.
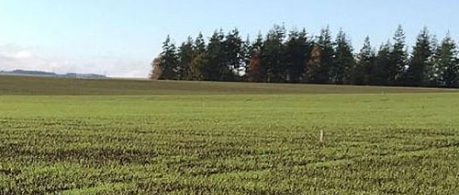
x: 120, y: 37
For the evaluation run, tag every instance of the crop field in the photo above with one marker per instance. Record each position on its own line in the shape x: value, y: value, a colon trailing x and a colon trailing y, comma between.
x: 64, y: 136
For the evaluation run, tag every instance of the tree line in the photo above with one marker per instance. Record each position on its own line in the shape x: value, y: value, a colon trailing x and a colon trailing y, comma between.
x: 293, y: 56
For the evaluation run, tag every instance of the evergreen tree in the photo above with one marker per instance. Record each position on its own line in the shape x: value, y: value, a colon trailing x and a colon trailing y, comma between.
x: 416, y: 74
x: 273, y: 56
x: 318, y: 68
x: 448, y: 63
x: 382, y: 69
x: 199, y: 45
x: 198, y: 66
x: 365, y: 61
x: 433, y: 71
x: 169, y: 61
x: 247, y: 55
x: 234, y: 53
x: 297, y: 52
x: 186, y: 55
x: 398, y: 58
x: 343, y: 61
x: 217, y: 68
x: 200, y: 58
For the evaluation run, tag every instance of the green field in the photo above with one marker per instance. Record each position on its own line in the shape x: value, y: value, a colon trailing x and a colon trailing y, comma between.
x: 64, y: 136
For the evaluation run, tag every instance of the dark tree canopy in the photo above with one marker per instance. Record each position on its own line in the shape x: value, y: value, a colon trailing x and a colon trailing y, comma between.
x: 398, y: 58
x: 417, y: 72
x: 294, y: 56
x: 365, y: 62
x: 343, y: 60
x: 167, y: 67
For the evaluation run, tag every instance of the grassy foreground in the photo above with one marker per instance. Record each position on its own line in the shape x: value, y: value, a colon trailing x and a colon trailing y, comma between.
x: 212, y: 140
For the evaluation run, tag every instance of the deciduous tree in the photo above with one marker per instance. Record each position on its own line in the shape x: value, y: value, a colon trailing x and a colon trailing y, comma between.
x: 156, y: 68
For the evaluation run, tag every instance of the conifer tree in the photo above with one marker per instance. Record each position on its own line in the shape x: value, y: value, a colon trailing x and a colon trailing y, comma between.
x: 416, y: 74
x: 448, y: 63
x: 273, y: 55
x: 233, y: 53
x: 382, y: 70
x: 433, y: 71
x: 343, y: 60
x: 398, y: 58
x: 200, y: 58
x: 365, y: 62
x: 169, y: 61
x: 185, y: 54
x: 217, y: 68
x: 318, y: 68
x: 298, y: 49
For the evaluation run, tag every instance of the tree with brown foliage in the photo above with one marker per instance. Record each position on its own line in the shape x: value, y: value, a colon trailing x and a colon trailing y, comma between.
x: 156, y: 68
x: 255, y: 72
x: 313, y: 64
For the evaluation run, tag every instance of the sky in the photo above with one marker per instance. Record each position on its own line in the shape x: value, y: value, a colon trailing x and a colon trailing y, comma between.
x: 119, y: 38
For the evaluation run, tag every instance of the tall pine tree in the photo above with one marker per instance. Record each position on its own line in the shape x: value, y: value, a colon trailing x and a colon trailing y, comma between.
x: 185, y: 54
x: 298, y: 49
x: 217, y: 68
x: 365, y: 62
x: 246, y: 52
x: 416, y: 74
x: 343, y: 60
x: 169, y: 61
x: 398, y: 58
x: 448, y: 63
x: 318, y: 67
x: 200, y: 58
x: 233, y: 54
x: 382, y: 70
x: 432, y: 70
x: 273, y: 55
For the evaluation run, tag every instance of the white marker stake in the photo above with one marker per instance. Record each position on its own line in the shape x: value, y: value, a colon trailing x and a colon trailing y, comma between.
x: 321, y: 137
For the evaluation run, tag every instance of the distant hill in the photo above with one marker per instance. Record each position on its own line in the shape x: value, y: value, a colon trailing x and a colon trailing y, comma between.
x: 51, y: 74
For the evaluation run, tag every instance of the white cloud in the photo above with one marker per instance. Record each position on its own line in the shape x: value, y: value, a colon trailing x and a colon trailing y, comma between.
x: 14, y: 57
x: 25, y: 60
